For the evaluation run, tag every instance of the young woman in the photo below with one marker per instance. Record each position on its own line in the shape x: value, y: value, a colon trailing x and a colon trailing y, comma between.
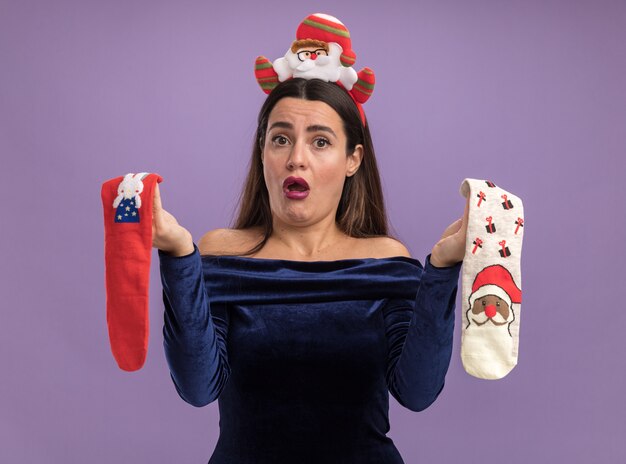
x: 302, y: 318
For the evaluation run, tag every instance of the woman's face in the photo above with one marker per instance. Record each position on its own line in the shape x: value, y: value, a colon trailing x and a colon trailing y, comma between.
x: 305, y: 162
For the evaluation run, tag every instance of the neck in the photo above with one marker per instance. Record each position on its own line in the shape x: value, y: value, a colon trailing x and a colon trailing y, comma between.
x: 306, y: 241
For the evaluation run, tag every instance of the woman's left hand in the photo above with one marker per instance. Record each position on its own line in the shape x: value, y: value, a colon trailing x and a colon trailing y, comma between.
x: 450, y: 249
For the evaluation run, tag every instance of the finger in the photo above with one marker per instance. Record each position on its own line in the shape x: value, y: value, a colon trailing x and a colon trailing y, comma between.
x: 156, y: 204
x: 452, y: 228
x: 466, y: 213
x: 465, y: 220
x: 457, y: 225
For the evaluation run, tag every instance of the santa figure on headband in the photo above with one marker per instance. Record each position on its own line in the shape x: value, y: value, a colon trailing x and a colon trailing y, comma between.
x: 322, y: 50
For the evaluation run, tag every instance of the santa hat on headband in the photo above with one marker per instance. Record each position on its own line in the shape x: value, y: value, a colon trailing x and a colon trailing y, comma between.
x: 320, y: 26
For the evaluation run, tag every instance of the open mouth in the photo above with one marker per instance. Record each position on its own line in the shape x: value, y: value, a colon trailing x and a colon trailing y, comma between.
x: 295, y: 184
x: 296, y: 188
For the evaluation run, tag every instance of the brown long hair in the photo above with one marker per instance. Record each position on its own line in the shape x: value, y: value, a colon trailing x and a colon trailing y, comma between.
x: 361, y: 210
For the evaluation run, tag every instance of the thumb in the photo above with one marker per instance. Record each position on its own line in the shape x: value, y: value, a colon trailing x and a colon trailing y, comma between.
x: 465, y: 214
x: 156, y: 203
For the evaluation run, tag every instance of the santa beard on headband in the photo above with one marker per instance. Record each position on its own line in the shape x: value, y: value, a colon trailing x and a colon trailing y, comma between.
x: 327, y: 68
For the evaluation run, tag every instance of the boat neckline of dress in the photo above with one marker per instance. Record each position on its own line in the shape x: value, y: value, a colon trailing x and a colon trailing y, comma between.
x: 296, y: 262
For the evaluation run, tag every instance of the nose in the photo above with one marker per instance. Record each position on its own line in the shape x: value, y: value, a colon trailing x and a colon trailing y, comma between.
x: 297, y: 157
x: 313, y: 56
x: 490, y: 311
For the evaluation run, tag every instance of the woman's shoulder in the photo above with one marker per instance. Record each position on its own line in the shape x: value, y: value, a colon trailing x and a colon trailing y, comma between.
x: 383, y: 247
x: 229, y: 241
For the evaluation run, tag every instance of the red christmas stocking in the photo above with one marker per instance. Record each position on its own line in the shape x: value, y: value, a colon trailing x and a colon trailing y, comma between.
x: 127, y: 203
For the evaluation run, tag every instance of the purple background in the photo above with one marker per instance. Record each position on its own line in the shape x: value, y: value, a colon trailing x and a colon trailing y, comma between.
x: 528, y: 94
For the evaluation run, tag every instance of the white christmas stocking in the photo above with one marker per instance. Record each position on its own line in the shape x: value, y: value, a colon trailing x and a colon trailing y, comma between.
x: 491, y: 280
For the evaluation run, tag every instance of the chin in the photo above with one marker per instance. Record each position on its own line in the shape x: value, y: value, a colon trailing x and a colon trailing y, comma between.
x: 297, y: 214
x: 296, y: 217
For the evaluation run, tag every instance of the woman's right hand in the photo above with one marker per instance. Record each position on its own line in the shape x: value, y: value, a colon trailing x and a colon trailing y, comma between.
x: 167, y: 234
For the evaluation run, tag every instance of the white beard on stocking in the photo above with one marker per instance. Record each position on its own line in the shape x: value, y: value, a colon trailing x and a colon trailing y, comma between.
x: 489, y: 353
x: 489, y: 344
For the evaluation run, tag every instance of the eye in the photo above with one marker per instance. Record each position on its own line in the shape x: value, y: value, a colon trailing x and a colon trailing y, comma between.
x: 280, y: 140
x: 484, y: 303
x: 497, y: 303
x: 321, y: 142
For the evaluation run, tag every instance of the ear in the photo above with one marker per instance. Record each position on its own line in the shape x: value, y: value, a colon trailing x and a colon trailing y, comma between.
x: 354, y: 160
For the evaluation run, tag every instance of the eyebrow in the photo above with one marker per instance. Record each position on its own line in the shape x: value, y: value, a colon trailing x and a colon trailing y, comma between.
x: 313, y: 128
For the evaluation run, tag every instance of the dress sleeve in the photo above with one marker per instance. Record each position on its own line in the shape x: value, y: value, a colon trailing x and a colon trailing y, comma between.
x: 194, y: 341
x: 420, y: 338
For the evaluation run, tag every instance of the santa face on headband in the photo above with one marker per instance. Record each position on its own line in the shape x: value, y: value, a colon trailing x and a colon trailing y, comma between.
x: 315, y: 59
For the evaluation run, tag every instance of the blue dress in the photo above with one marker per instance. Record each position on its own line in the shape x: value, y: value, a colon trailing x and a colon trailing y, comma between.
x: 301, y: 356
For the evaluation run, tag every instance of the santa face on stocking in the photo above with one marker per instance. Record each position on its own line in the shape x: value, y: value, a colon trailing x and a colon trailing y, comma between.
x: 490, y: 309
x: 491, y: 300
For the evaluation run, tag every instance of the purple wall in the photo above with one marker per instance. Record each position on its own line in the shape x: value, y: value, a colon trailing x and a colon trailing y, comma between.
x: 529, y: 94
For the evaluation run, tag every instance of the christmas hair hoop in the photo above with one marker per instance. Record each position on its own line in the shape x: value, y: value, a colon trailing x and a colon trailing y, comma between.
x: 322, y: 50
